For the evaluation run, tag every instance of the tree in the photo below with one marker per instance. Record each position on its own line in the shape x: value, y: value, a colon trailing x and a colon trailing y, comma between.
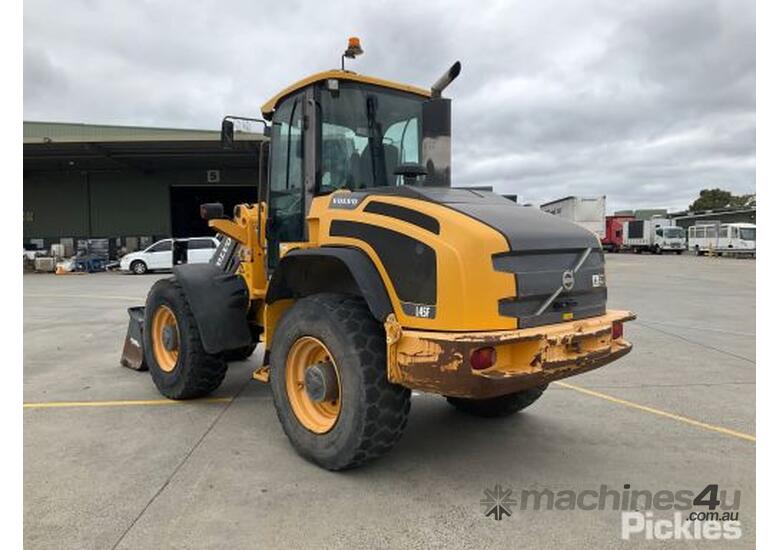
x: 718, y: 198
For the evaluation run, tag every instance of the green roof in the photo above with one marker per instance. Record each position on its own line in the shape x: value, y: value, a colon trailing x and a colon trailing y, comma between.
x: 75, y: 132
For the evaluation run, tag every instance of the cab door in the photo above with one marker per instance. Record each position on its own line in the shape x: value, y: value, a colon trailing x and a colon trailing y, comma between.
x: 286, y: 193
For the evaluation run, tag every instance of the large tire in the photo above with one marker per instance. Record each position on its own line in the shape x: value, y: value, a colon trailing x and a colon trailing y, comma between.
x: 138, y: 267
x: 239, y: 354
x: 187, y: 371
x: 494, y: 407
x: 371, y: 413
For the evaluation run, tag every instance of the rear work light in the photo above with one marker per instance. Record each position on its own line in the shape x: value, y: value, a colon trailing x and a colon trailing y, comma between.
x: 617, y: 330
x: 483, y: 358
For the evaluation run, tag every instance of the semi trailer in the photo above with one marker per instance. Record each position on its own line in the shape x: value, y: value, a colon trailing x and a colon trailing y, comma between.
x: 587, y: 212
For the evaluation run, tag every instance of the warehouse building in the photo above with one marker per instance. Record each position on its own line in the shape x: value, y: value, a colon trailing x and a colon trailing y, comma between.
x: 721, y: 215
x: 131, y: 185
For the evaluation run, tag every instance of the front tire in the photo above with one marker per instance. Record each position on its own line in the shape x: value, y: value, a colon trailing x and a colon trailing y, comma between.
x: 138, y: 267
x: 179, y: 366
x: 364, y: 415
x: 495, y: 407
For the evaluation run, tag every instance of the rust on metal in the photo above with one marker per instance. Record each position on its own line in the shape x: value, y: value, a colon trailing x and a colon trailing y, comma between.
x: 439, y: 362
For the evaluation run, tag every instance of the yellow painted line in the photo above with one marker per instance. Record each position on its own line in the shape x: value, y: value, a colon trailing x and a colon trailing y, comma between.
x: 651, y: 410
x: 84, y: 296
x: 123, y: 403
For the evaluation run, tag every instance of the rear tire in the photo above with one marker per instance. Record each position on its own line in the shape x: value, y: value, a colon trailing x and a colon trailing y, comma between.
x: 495, y: 407
x: 371, y: 413
x: 187, y: 371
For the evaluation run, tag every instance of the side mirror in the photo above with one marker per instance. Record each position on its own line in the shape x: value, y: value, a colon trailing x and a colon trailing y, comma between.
x: 226, y: 136
x: 212, y: 211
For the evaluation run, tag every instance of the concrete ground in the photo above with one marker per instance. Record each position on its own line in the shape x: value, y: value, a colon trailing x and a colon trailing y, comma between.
x: 119, y: 468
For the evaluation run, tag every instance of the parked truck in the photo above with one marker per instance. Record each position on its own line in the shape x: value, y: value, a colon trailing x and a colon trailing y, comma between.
x: 587, y: 212
x: 657, y: 235
x: 727, y: 238
x: 613, y: 233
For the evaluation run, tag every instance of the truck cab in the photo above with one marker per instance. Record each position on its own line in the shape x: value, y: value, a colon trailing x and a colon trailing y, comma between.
x: 669, y: 239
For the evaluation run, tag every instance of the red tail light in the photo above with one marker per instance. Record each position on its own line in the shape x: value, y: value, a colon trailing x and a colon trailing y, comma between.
x: 617, y: 330
x: 483, y: 358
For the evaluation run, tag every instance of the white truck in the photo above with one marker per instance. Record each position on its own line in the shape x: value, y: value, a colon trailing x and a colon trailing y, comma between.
x: 726, y: 238
x: 657, y: 235
x: 587, y: 212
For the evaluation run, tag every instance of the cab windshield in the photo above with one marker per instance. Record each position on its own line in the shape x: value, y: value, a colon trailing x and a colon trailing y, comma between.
x: 747, y: 233
x: 674, y: 232
x: 366, y: 133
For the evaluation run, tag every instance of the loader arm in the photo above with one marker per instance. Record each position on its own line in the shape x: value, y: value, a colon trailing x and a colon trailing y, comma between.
x: 248, y: 228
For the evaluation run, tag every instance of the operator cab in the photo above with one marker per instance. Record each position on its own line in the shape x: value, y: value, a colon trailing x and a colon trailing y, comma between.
x: 339, y: 130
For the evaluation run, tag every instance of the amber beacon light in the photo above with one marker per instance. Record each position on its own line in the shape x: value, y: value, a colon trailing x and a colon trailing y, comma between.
x: 353, y: 49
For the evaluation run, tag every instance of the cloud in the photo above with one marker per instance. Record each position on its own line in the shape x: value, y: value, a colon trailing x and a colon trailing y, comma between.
x: 645, y: 102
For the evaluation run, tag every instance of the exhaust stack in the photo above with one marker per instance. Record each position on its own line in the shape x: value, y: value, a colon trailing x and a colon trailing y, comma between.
x: 445, y: 80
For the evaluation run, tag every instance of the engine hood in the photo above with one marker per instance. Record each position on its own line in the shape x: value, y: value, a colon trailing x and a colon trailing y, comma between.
x: 525, y: 228
x: 558, y: 266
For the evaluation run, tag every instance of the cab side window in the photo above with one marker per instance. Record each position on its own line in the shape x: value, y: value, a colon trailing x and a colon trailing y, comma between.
x: 286, y: 182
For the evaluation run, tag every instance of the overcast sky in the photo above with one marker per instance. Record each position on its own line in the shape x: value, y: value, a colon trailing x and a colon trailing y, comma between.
x: 644, y: 102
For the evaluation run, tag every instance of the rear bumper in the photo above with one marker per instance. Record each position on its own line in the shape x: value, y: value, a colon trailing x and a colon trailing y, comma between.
x: 439, y: 362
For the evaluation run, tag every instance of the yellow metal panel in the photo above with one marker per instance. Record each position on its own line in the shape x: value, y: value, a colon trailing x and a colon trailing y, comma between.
x: 269, y: 106
x: 468, y: 288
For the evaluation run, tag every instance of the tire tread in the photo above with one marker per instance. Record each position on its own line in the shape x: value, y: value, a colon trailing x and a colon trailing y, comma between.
x: 205, y: 372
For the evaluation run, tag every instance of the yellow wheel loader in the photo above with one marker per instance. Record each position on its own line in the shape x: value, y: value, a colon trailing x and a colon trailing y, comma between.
x: 365, y: 276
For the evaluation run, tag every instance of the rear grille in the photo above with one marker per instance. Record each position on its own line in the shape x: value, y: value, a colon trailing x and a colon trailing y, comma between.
x: 541, y: 298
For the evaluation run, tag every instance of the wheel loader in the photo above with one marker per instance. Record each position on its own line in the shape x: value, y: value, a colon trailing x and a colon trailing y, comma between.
x: 366, y: 276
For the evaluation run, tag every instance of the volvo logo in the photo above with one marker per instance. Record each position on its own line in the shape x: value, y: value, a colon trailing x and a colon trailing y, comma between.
x: 567, y: 280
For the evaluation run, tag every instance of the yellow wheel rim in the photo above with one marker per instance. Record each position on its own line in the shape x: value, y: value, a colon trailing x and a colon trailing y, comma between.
x: 316, y: 416
x: 164, y: 320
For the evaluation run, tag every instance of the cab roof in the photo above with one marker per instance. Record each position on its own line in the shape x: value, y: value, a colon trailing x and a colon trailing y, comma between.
x: 270, y: 105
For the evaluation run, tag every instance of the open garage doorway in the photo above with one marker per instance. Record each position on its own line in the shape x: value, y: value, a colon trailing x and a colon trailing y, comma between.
x: 186, y: 201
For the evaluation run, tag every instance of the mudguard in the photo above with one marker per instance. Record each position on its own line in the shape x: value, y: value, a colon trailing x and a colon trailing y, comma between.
x: 219, y: 302
x: 327, y: 269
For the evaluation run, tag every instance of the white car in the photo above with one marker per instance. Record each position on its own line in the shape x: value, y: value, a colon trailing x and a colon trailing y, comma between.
x: 160, y: 254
